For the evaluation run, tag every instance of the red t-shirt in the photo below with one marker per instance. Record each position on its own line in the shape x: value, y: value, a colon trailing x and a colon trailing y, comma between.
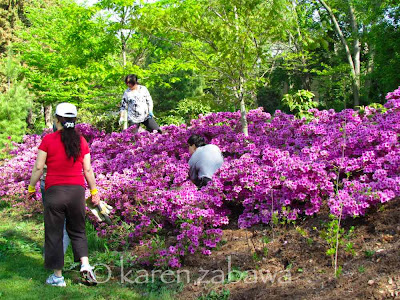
x: 62, y: 170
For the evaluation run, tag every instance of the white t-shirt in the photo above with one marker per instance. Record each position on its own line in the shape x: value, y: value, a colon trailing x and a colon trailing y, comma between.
x: 205, y: 161
x: 138, y: 103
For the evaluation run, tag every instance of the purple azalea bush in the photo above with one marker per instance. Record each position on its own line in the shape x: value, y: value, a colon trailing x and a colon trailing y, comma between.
x: 347, y: 161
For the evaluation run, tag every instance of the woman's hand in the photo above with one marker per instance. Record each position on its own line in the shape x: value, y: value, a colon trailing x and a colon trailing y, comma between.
x: 31, y: 193
x: 96, y: 199
x: 30, y: 196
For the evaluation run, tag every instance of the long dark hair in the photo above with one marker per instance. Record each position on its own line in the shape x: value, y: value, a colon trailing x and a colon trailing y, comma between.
x: 70, y: 137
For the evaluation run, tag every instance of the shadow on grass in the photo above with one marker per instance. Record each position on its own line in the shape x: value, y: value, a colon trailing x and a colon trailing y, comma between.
x: 18, y: 254
x: 22, y: 274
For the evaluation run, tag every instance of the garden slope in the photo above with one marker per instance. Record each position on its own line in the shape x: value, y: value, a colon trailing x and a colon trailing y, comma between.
x: 372, y: 273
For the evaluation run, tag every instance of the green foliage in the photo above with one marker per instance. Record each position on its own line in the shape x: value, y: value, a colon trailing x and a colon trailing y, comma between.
x: 157, y: 289
x: 95, y: 242
x: 222, y: 38
x: 369, y: 253
x: 171, y: 81
x: 334, y: 86
x: 171, y: 120
x: 384, y: 40
x: 265, y: 240
x: 107, y: 121
x: 69, y: 52
x: 214, y: 295
x: 377, y: 106
x: 258, y: 255
x: 11, y: 14
x: 236, y: 275
x: 189, y: 109
x: 339, y: 271
x: 14, y: 104
x: 281, y: 218
x: 336, y: 236
x: 300, y: 102
x: 250, y: 50
x: 305, y: 235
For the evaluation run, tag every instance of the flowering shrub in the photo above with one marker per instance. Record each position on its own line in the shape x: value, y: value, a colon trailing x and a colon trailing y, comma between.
x: 348, y: 161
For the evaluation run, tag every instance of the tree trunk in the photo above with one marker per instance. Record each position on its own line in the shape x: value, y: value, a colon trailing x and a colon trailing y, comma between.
x: 125, y: 115
x: 315, y: 89
x: 124, y: 39
x: 123, y: 52
x: 29, y: 119
x: 369, y: 70
x: 354, y: 76
x: 253, y: 95
x: 305, y: 77
x: 243, y: 118
x: 356, y: 56
x: 240, y: 96
x: 285, y: 88
x: 123, y: 49
x: 48, y: 116
x: 239, y: 91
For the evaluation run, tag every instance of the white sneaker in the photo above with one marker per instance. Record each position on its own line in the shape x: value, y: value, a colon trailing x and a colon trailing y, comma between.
x: 53, y: 280
x: 87, y: 275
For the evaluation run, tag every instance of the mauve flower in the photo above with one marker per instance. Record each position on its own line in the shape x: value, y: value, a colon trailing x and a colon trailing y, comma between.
x: 283, y: 162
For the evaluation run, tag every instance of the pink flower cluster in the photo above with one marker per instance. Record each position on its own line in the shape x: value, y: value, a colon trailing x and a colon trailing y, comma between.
x: 348, y: 161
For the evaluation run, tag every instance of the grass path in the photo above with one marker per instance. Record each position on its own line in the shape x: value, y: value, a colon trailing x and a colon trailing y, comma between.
x: 22, y: 274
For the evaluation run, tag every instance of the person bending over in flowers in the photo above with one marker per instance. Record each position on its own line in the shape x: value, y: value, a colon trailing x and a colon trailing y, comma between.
x: 137, y: 106
x: 205, y: 160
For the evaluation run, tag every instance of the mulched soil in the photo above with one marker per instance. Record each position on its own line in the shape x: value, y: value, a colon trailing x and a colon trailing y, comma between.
x: 298, y: 260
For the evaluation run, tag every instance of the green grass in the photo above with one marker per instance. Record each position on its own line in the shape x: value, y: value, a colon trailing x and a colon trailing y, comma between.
x: 22, y: 274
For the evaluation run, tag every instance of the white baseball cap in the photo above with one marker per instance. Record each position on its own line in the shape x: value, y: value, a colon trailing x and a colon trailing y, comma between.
x: 66, y: 110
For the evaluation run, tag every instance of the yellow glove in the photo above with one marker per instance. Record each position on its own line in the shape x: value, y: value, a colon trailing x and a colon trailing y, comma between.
x: 100, y: 211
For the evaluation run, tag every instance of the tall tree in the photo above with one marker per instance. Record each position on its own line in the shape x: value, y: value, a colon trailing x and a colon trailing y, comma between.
x: 65, y: 51
x: 381, y: 48
x: 14, y: 102
x: 353, y: 57
x: 10, y: 13
x: 229, y: 40
x: 123, y: 11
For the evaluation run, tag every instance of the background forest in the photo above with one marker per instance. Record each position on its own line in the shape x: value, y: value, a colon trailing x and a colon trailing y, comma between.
x: 195, y: 56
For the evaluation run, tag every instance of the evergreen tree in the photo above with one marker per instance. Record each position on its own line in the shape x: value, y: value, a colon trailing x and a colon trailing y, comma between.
x: 14, y: 104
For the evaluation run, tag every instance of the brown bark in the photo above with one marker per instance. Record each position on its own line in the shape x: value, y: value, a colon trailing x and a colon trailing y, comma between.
x: 243, y: 118
x: 240, y: 96
x: 353, y: 63
x: 48, y: 116
x: 239, y: 91
x: 369, y: 69
x: 356, y: 55
x: 305, y: 77
x: 29, y: 119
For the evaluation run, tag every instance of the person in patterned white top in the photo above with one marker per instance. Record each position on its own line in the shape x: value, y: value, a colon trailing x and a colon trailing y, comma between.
x: 137, y: 105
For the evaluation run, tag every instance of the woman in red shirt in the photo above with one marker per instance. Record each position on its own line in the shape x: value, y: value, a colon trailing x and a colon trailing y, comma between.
x: 66, y: 154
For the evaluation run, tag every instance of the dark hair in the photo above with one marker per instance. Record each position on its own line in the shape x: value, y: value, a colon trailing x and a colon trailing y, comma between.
x: 70, y: 137
x: 132, y: 79
x: 196, y: 140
